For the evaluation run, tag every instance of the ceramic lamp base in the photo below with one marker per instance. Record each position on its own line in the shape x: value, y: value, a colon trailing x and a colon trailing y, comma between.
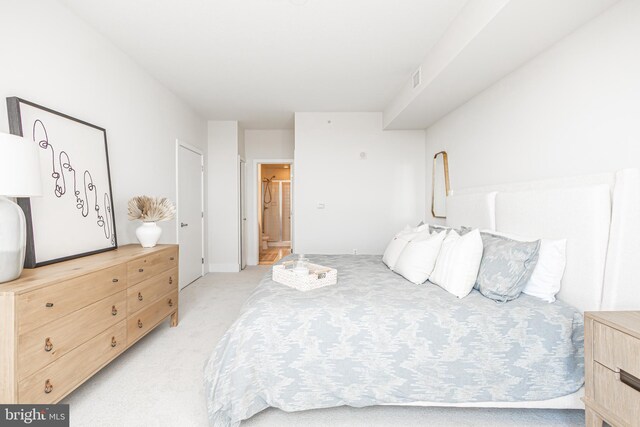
x: 13, y: 238
x: 148, y: 234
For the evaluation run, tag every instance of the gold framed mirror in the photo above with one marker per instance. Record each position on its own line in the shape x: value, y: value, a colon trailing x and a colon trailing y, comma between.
x: 440, y: 185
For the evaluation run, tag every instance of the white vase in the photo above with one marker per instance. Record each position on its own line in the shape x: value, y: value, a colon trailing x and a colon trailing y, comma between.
x: 148, y: 234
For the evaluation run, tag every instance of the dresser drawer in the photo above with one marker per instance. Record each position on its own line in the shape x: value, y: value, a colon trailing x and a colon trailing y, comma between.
x: 146, y: 267
x: 144, y: 293
x: 47, y: 304
x: 144, y: 320
x: 611, y: 393
x: 616, y: 350
x: 54, y: 381
x: 48, y: 343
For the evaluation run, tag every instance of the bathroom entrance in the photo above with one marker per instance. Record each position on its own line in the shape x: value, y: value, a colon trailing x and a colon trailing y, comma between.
x: 274, y: 216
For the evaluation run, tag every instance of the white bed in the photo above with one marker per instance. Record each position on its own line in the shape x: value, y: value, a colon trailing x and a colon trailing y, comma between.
x: 375, y: 339
x: 599, y: 215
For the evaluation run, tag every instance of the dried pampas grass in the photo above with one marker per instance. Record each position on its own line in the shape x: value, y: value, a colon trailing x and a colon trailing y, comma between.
x: 151, y: 209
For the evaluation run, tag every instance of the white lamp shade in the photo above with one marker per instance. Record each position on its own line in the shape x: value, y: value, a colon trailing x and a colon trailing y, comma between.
x: 19, y: 167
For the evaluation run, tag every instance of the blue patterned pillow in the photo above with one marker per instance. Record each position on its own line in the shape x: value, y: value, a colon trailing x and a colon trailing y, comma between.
x: 506, y: 266
x: 434, y: 228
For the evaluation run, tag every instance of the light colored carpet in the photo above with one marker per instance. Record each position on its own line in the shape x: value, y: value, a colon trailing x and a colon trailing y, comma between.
x: 158, y: 382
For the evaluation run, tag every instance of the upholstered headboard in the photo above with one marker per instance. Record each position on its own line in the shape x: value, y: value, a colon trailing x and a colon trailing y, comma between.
x: 582, y: 215
x: 621, y: 285
x: 472, y: 210
x: 599, y: 215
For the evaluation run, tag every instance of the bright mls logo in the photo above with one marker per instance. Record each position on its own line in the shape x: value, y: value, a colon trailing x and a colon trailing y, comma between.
x: 34, y: 415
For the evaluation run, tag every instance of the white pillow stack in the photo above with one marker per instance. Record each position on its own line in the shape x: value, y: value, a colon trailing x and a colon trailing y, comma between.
x: 397, y: 244
x: 452, y: 261
x: 457, y: 265
x: 418, y: 258
x: 546, y: 279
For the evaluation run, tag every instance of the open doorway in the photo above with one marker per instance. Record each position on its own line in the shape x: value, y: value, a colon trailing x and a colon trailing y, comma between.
x: 274, y: 212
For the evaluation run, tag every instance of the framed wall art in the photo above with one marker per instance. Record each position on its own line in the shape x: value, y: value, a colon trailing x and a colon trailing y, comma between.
x: 74, y: 217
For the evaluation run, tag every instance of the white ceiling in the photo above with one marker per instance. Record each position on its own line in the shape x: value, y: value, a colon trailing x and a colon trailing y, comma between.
x: 259, y: 61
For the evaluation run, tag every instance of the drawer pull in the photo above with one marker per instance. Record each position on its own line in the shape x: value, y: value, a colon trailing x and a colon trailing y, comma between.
x: 114, y: 310
x: 170, y: 302
x: 171, y: 258
x: 48, y: 345
x: 114, y: 280
x: 139, y: 323
x: 140, y: 270
x: 170, y: 280
x: 140, y: 296
x: 630, y: 380
x: 48, y: 387
x: 49, y: 304
x: 113, y: 342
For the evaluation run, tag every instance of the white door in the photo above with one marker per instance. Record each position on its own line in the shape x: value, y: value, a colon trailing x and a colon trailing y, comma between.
x: 190, y: 214
x: 243, y: 217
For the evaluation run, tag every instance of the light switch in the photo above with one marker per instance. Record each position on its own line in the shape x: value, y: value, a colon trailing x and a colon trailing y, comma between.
x: 320, y: 205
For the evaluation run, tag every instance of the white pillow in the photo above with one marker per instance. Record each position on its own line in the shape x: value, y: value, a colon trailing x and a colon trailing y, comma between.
x: 397, y: 244
x: 418, y: 258
x: 393, y: 251
x: 410, y: 229
x: 546, y: 279
x: 457, y: 266
x: 421, y: 227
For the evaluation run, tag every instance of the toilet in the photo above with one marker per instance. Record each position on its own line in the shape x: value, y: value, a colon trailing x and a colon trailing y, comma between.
x: 265, y: 239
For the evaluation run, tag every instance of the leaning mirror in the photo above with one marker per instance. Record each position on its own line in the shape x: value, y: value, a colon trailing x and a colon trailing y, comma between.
x: 440, y: 185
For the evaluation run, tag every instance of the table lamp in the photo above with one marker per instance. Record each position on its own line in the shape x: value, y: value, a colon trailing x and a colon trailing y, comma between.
x: 19, y: 177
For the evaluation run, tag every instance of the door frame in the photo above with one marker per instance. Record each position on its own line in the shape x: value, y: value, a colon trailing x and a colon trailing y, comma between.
x: 256, y: 186
x: 198, y: 151
x: 242, y: 194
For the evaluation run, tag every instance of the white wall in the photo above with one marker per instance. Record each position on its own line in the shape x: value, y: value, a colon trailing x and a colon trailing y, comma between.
x: 366, y: 201
x: 575, y: 109
x: 52, y: 58
x: 261, y: 145
x: 223, y: 176
x: 241, y: 144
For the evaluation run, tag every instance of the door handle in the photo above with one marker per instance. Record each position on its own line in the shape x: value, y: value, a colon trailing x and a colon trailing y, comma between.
x: 182, y: 224
x: 244, y: 219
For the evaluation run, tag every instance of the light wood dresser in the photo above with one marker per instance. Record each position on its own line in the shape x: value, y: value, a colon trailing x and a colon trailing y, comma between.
x: 612, y: 368
x: 61, y: 323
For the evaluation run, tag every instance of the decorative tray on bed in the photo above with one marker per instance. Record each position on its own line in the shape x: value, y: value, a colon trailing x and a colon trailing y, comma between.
x: 317, y: 276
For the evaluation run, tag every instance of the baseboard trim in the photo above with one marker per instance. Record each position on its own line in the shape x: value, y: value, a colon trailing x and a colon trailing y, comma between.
x: 224, y: 268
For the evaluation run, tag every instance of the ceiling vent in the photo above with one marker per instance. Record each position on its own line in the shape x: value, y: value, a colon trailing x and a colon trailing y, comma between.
x: 417, y: 78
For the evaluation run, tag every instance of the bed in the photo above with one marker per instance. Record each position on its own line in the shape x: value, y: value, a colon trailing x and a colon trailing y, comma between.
x: 376, y: 338
x: 379, y: 339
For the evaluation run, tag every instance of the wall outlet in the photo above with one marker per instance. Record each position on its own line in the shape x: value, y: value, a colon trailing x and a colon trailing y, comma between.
x: 355, y: 252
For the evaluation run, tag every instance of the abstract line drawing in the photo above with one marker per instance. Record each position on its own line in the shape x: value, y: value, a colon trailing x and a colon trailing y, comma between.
x: 75, y: 216
x: 61, y: 166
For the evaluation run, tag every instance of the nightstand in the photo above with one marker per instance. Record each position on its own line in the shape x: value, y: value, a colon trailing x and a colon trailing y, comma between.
x: 612, y: 368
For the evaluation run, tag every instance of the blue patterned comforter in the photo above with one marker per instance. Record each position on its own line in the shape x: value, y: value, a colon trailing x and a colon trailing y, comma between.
x: 377, y: 338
